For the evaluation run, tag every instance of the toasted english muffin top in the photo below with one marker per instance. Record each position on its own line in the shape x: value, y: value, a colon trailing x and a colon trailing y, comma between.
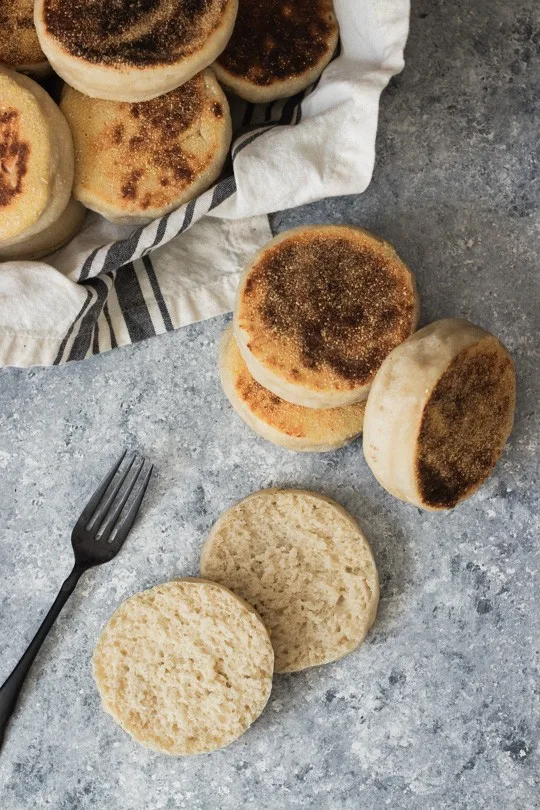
x: 143, y: 34
x: 322, y: 306
x: 275, y: 40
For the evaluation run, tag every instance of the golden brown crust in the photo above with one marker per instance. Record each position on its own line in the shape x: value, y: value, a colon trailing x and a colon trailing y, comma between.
x: 19, y: 45
x: 143, y: 156
x: 322, y: 425
x: 465, y: 424
x: 27, y: 157
x: 184, y: 667
x: 14, y: 156
x: 324, y: 307
x: 143, y: 34
x: 276, y: 40
x: 305, y: 565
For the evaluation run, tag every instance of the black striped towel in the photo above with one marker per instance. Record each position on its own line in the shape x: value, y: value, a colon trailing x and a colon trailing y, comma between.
x: 113, y: 285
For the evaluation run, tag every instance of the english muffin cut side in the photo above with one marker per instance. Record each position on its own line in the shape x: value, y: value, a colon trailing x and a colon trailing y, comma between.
x: 281, y: 422
x: 304, y: 564
x: 126, y: 51
x: 317, y: 311
x: 278, y: 47
x: 55, y: 236
x: 36, y: 169
x: 137, y: 162
x: 19, y: 45
x: 185, y: 667
x: 439, y: 413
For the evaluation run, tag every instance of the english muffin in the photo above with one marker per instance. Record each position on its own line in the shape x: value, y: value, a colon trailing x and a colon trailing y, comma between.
x: 281, y: 422
x: 185, y: 667
x: 136, y: 162
x: 126, y: 51
x: 439, y: 413
x: 55, y: 236
x: 19, y: 45
x: 304, y: 564
x: 317, y: 311
x: 278, y: 47
x: 36, y: 165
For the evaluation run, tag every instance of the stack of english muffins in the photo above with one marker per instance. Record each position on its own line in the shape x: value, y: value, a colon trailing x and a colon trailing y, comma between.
x: 323, y: 347
x: 149, y: 126
x: 317, y: 311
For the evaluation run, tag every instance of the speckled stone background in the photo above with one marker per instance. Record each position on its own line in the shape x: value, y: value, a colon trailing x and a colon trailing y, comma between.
x: 440, y: 708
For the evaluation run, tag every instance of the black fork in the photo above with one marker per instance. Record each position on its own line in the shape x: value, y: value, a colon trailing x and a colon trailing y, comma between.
x: 97, y: 537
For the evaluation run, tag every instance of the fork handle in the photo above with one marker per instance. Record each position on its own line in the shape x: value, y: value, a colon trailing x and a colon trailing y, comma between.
x: 9, y: 691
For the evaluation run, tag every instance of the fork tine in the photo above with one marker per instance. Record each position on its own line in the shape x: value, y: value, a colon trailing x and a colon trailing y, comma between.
x: 93, y: 503
x: 104, y: 507
x: 104, y: 531
x: 127, y: 521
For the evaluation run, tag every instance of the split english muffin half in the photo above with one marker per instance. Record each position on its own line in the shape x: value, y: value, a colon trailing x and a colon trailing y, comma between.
x: 126, y: 51
x: 136, y: 162
x: 36, y: 171
x: 306, y: 567
x: 318, y: 309
x: 439, y: 413
x: 184, y: 667
x: 278, y: 421
x: 277, y: 48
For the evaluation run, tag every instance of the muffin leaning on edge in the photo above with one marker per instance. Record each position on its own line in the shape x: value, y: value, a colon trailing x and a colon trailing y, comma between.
x: 439, y: 413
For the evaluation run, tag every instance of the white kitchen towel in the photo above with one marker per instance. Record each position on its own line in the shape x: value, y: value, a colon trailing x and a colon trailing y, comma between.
x: 114, y: 285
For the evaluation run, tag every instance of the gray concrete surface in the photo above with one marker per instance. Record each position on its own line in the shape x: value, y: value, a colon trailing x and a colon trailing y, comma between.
x: 441, y: 707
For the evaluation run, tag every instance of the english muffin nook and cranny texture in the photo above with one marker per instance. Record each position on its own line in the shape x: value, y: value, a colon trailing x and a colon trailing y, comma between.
x: 184, y: 667
x: 305, y: 565
x: 324, y: 318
